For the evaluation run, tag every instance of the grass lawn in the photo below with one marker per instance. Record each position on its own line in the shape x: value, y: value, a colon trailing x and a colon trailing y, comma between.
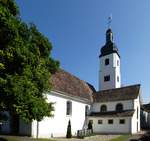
x: 7, y: 139
x: 121, y: 138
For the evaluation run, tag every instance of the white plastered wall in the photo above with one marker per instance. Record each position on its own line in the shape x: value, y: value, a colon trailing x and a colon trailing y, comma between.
x: 136, y: 116
x: 57, y: 126
x: 111, y: 106
x: 112, y: 69
x: 116, y: 127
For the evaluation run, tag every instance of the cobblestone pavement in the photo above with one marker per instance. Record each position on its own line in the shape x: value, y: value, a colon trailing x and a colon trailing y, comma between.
x: 92, y: 138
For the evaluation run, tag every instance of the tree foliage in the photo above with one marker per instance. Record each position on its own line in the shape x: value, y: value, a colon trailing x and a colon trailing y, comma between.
x: 25, y: 66
x: 69, y: 133
x: 90, y: 126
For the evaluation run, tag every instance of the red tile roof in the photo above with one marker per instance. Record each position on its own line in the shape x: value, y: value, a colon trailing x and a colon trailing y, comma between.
x: 123, y: 93
x: 71, y: 85
x: 146, y: 107
x: 125, y: 113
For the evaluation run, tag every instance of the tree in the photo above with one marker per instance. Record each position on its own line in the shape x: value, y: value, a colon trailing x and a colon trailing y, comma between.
x: 25, y: 66
x: 69, y: 134
x: 90, y: 126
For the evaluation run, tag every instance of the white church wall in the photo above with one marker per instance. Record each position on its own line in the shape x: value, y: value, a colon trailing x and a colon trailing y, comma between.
x: 136, y: 117
x: 57, y: 126
x: 113, y: 69
x: 111, y: 106
x: 145, y: 116
x: 116, y: 127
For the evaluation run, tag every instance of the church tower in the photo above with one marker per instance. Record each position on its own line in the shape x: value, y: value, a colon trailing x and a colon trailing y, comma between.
x: 109, y: 72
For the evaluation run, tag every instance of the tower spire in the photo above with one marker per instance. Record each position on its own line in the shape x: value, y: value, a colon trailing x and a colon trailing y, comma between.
x: 109, y: 72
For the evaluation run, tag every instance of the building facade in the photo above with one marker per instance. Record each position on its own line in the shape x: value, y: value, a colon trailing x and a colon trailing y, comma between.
x: 111, y: 109
x: 145, y: 116
x: 115, y: 109
x: 72, y: 100
x: 109, y: 72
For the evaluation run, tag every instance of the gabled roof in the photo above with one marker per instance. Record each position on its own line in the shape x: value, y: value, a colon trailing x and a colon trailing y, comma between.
x: 125, y: 113
x: 117, y: 94
x: 72, y: 86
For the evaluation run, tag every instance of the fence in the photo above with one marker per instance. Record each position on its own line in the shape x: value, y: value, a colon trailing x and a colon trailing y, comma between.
x: 83, y: 133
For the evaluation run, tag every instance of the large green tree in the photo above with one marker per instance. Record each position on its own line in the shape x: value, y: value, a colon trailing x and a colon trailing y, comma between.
x: 25, y: 66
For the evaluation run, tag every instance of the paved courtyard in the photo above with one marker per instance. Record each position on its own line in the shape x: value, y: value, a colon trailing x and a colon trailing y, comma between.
x: 92, y: 138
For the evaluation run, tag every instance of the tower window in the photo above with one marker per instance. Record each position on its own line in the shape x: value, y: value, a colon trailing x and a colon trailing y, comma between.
x: 68, y: 108
x: 106, y: 61
x: 107, y: 78
x: 118, y: 78
x: 117, y: 62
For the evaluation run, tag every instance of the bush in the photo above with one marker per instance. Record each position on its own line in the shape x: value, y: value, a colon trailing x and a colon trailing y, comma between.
x: 69, y: 134
x: 90, y: 126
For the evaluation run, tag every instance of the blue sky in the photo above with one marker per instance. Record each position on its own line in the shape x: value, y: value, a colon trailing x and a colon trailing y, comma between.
x: 77, y: 28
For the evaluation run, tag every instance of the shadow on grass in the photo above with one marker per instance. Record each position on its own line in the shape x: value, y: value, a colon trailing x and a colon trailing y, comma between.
x: 3, y: 139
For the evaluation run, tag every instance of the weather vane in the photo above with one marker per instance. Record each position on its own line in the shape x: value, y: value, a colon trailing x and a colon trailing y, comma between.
x: 109, y: 20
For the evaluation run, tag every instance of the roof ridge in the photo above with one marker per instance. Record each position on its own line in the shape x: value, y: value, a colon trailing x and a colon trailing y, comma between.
x: 123, y: 93
x: 74, y: 75
x: 120, y: 88
x: 71, y: 84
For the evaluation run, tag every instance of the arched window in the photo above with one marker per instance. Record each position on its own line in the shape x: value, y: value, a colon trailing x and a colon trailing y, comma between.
x: 103, y: 108
x: 68, y: 108
x: 86, y: 110
x: 119, y: 107
x: 137, y: 112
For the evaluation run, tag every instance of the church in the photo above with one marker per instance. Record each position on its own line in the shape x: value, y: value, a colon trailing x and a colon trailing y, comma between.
x: 111, y: 109
x: 115, y: 109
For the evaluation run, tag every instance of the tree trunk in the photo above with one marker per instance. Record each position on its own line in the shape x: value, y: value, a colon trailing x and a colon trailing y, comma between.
x: 37, y: 130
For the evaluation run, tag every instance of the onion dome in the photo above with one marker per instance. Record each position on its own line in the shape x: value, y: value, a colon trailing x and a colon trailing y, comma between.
x: 109, y: 46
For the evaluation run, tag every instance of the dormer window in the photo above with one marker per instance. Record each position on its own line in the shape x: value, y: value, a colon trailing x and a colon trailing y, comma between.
x: 106, y: 61
x: 103, y: 108
x: 119, y: 107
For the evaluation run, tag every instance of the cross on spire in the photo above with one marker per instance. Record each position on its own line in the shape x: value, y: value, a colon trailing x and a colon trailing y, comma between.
x: 109, y: 20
